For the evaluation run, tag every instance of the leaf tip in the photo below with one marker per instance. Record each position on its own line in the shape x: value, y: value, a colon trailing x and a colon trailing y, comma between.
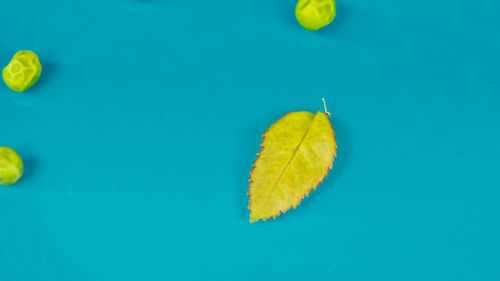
x: 253, y: 218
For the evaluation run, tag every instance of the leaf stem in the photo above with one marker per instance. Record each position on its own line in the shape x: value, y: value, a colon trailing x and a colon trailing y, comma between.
x: 326, y: 111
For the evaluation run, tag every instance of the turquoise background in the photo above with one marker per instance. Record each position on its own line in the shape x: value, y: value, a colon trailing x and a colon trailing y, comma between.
x: 139, y: 138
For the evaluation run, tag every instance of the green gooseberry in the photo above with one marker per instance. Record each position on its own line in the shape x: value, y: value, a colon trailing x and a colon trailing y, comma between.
x: 315, y: 14
x: 23, y: 71
x: 11, y: 166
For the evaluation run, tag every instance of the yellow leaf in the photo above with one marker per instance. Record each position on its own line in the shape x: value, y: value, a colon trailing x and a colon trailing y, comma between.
x: 297, y: 153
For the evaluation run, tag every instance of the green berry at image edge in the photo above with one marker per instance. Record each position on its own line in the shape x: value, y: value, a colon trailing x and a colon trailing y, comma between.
x: 11, y: 166
x: 315, y: 14
x: 23, y: 71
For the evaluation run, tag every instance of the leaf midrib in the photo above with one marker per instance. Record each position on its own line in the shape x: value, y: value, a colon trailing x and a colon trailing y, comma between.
x: 291, y: 159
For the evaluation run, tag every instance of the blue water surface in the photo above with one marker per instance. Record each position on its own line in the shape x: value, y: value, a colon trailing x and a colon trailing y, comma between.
x: 140, y: 135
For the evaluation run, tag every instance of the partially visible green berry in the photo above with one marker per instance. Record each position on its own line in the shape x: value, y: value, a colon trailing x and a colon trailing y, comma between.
x: 23, y: 71
x: 315, y: 14
x: 11, y: 166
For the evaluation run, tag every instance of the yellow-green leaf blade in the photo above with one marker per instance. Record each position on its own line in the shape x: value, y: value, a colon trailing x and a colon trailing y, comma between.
x: 297, y: 152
